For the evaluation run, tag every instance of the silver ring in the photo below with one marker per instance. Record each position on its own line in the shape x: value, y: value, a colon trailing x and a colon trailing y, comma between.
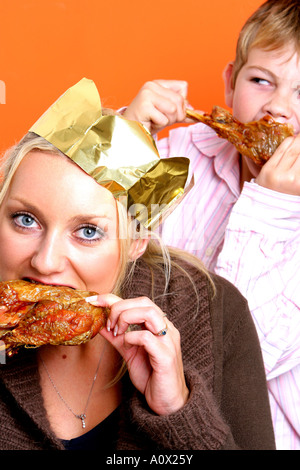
x: 163, y: 332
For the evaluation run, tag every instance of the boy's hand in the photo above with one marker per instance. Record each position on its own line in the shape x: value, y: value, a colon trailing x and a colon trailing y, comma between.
x: 282, y: 172
x: 158, y: 104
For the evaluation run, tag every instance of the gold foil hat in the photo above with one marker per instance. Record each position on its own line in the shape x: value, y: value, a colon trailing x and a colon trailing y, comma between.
x: 119, y: 154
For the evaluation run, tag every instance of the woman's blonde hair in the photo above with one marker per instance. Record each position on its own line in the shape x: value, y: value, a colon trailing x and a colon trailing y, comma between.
x: 275, y: 24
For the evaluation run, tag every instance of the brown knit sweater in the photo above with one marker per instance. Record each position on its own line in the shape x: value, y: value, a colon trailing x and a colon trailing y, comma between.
x: 228, y: 405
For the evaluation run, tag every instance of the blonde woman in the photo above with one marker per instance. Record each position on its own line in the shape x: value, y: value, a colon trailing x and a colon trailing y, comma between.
x: 193, y: 375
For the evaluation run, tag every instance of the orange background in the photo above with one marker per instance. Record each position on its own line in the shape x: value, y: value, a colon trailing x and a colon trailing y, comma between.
x: 46, y: 46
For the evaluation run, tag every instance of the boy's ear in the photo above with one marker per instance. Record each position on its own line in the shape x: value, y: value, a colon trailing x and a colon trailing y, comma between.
x: 138, y: 248
x: 227, y: 77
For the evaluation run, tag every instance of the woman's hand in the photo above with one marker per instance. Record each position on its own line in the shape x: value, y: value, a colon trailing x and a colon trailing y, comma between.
x: 154, y: 362
x: 158, y: 104
x: 282, y: 172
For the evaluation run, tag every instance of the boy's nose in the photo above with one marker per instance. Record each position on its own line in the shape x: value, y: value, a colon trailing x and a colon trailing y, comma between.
x: 279, y: 105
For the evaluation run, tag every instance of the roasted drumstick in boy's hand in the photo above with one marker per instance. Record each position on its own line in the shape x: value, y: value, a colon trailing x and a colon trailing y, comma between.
x: 33, y: 315
x: 257, y: 140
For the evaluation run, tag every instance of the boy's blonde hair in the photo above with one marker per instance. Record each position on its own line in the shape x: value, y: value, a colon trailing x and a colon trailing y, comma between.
x: 275, y: 24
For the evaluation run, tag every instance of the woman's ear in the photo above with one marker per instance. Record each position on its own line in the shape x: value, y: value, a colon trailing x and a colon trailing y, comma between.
x: 138, y: 248
x: 227, y: 77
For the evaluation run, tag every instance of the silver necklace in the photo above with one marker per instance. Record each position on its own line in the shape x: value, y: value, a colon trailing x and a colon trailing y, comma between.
x: 81, y: 416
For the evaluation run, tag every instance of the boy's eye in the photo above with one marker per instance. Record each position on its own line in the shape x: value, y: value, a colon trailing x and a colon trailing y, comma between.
x: 261, y: 81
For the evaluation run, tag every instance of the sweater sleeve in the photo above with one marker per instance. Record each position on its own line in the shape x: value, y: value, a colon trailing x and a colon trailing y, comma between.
x: 236, y: 413
x: 240, y: 371
x: 228, y: 403
x: 196, y: 426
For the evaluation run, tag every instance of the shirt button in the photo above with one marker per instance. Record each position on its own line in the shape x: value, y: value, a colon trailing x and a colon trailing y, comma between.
x: 209, y: 251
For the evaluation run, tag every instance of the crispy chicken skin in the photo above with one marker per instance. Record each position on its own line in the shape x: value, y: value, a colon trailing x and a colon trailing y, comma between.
x: 33, y: 315
x: 257, y: 140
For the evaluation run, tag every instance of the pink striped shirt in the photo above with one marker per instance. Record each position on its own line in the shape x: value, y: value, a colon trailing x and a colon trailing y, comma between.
x: 253, y: 240
x: 198, y: 224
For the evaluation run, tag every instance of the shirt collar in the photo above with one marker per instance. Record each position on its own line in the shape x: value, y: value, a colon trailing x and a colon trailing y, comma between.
x: 226, y: 157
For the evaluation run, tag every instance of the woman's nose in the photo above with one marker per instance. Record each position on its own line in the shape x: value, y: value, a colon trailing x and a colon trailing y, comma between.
x: 49, y: 257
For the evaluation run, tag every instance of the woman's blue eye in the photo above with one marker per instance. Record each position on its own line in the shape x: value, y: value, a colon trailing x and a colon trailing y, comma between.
x: 89, y: 232
x: 27, y: 221
x: 24, y: 220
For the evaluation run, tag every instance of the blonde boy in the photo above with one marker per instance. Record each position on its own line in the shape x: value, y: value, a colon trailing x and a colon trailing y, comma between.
x: 243, y: 221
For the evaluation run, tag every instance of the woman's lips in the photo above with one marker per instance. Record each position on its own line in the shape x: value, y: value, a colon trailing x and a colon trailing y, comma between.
x: 47, y: 283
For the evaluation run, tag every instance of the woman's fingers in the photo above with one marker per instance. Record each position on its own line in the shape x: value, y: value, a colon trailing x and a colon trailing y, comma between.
x: 124, y: 313
x: 152, y: 351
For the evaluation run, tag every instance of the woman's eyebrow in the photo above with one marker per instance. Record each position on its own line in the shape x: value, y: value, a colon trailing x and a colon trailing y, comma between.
x: 84, y: 217
x: 80, y: 218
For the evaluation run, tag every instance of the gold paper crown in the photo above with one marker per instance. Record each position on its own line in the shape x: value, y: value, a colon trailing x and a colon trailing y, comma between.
x: 119, y: 154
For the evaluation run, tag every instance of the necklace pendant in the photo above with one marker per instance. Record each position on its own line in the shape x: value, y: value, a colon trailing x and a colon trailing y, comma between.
x: 83, y: 418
